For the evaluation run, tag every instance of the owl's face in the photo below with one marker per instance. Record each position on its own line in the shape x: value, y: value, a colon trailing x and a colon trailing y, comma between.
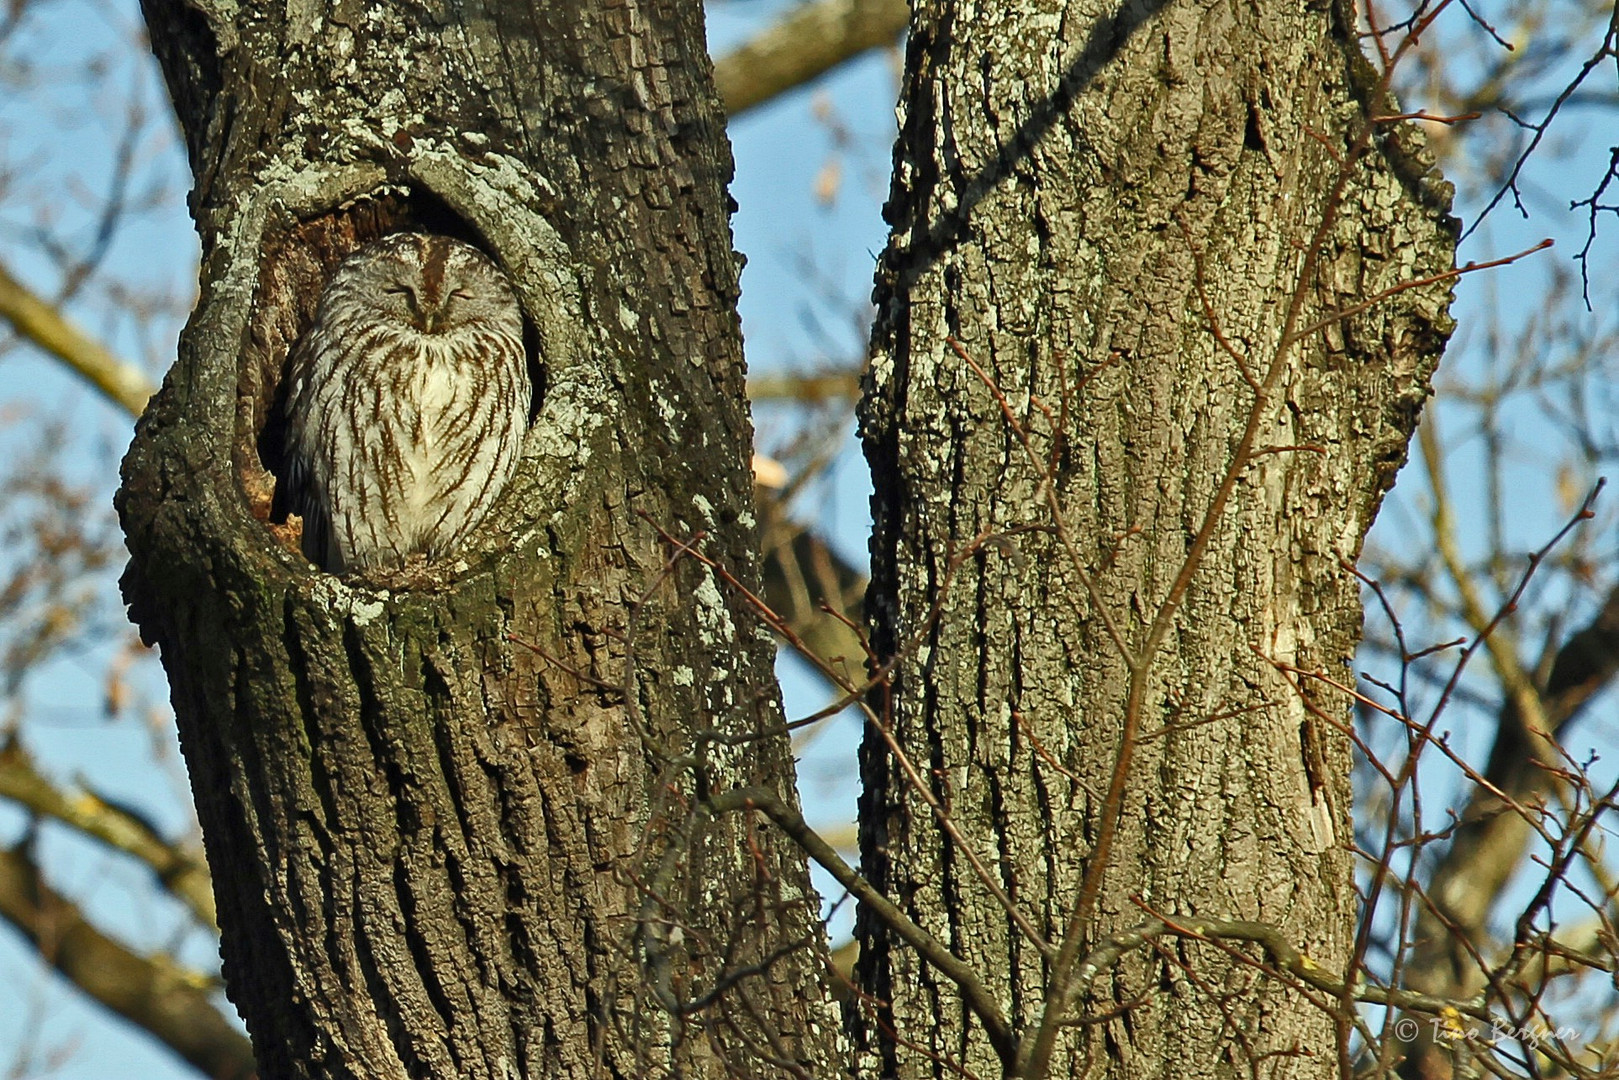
x: 429, y: 285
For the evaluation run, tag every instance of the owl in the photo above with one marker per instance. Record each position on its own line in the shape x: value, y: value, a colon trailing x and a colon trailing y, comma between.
x: 407, y: 405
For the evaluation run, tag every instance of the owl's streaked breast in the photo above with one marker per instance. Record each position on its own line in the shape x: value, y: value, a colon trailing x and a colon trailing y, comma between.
x: 409, y: 401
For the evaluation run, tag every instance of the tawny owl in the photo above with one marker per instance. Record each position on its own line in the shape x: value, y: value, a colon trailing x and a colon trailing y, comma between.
x: 408, y: 401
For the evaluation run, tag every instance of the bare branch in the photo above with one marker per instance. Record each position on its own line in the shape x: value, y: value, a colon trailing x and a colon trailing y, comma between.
x: 183, y: 872
x: 35, y: 319
x: 815, y: 38
x: 172, y: 1003
x: 791, y: 822
x: 811, y: 389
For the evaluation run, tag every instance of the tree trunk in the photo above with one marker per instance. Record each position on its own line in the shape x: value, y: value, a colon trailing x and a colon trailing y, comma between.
x: 454, y: 823
x: 1139, y: 222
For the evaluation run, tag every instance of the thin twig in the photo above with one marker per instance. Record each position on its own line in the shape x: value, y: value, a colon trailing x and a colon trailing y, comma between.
x: 958, y: 971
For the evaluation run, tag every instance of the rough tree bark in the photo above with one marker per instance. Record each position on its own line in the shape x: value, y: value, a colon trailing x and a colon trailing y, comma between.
x: 451, y: 825
x: 1129, y: 215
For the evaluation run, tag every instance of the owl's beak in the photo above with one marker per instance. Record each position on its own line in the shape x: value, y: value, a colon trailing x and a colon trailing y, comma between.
x: 430, y: 318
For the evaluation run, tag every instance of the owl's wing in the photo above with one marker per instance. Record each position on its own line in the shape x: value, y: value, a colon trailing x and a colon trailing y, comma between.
x: 303, y: 495
x: 305, y: 502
